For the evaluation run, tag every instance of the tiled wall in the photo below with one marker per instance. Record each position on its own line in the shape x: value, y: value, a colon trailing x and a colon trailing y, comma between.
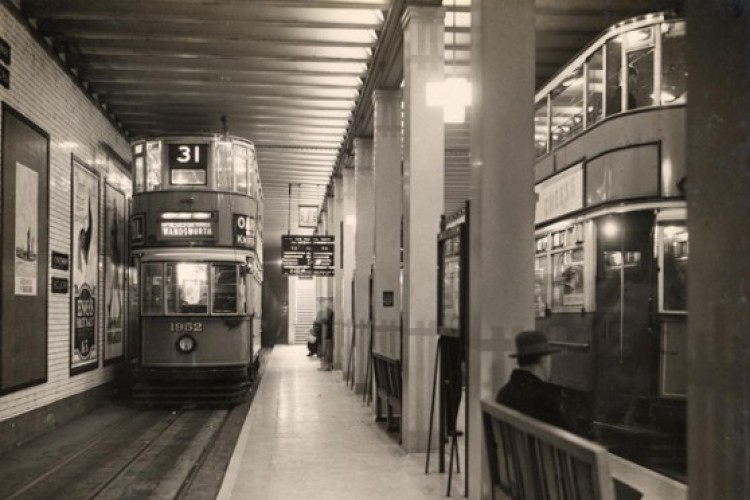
x: 47, y: 95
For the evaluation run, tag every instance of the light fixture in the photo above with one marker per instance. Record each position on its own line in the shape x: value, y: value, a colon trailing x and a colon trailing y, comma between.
x: 454, y: 92
x: 610, y: 229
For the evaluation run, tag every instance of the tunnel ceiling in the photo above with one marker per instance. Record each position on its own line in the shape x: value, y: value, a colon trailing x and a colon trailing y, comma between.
x: 293, y: 76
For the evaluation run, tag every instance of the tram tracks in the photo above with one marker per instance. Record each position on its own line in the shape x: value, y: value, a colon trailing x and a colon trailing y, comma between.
x: 122, y: 453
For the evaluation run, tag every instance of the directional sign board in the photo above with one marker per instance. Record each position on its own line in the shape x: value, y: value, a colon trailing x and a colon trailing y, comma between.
x: 307, y: 255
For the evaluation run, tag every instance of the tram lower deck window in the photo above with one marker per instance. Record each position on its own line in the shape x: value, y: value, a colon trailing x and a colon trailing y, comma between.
x: 187, y: 288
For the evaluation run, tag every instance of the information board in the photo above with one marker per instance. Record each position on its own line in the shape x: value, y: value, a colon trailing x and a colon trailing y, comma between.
x: 453, y: 274
x: 303, y: 255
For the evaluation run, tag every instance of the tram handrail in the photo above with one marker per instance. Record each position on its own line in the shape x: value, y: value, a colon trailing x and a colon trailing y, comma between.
x: 529, y: 459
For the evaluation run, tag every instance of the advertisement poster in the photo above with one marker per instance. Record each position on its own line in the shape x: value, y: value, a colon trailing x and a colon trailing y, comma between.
x: 114, y: 273
x: 85, y: 252
x: 27, y: 230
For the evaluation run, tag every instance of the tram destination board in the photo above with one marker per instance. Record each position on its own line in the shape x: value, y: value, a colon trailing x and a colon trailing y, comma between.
x: 307, y: 255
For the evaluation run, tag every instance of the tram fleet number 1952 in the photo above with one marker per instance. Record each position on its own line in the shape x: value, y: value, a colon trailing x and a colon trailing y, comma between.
x: 185, y: 326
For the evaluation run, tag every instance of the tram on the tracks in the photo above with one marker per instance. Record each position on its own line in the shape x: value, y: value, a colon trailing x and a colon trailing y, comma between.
x: 612, y: 240
x: 196, y: 243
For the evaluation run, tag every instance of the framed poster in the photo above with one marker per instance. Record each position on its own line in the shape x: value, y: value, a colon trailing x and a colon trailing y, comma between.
x: 84, y: 349
x: 25, y: 252
x: 114, y: 273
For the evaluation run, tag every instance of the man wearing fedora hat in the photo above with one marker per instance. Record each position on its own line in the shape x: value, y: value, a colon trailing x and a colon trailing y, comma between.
x: 527, y: 390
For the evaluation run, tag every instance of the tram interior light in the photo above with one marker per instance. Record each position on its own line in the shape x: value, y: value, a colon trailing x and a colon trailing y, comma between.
x: 610, y: 229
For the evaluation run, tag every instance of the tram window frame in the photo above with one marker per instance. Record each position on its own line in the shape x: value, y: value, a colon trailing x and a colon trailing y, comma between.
x: 172, y: 290
x: 542, y: 275
x: 215, y: 286
x: 154, y: 177
x: 240, y: 152
x: 147, y: 283
x: 665, y: 268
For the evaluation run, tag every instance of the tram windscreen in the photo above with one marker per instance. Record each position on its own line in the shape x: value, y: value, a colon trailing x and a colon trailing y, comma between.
x: 187, y: 288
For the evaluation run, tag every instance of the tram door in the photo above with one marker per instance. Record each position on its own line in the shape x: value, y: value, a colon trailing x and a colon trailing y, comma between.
x: 627, y: 346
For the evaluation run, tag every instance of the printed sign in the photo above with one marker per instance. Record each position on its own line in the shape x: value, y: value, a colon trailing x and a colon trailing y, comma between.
x: 307, y: 255
x: 308, y: 216
x: 60, y: 261
x: 243, y: 230
x: 560, y: 194
x: 27, y: 230
x: 186, y: 229
x: 59, y: 285
x: 114, y: 273
x: 85, y: 250
x: 388, y: 298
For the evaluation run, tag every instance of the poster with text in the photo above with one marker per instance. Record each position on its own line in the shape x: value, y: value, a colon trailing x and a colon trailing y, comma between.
x: 114, y: 273
x: 85, y: 256
x: 27, y: 230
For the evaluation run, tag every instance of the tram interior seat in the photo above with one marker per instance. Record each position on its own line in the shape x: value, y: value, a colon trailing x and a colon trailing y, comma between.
x: 529, y: 460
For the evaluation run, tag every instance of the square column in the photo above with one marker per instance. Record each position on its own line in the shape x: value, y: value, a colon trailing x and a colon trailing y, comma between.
x: 424, y: 154
x: 337, y: 217
x: 349, y: 227
x: 388, y: 188
x: 363, y: 247
x: 718, y: 173
x: 502, y: 206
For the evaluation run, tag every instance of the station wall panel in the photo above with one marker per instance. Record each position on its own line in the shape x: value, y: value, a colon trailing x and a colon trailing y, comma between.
x: 44, y: 93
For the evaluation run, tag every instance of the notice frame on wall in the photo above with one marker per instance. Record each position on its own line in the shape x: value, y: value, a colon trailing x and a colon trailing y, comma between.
x: 84, y: 240
x: 25, y: 248
x: 115, y: 259
x: 453, y: 273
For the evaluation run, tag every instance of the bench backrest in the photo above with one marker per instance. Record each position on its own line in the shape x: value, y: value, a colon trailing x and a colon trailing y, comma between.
x: 387, y: 374
x: 532, y: 460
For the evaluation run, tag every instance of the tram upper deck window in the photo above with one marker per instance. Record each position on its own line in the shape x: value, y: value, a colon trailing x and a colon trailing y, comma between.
x: 541, y: 128
x: 567, y: 107
x: 595, y: 85
x: 153, y: 282
x: 674, y: 65
x: 187, y: 288
x: 240, y: 168
x: 613, y: 57
x: 153, y: 166
x: 223, y: 165
x: 639, y: 58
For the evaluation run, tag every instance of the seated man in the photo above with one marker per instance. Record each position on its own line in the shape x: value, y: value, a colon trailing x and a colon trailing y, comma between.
x: 528, y: 390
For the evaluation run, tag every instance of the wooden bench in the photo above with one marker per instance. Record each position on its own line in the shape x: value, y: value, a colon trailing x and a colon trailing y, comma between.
x: 387, y: 388
x: 531, y: 460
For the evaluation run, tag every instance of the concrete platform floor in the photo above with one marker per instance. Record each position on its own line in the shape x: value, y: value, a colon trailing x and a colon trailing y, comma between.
x: 308, y: 436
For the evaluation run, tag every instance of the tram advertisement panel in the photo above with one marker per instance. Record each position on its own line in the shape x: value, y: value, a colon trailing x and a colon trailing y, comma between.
x: 114, y: 273
x: 85, y: 250
x: 243, y: 230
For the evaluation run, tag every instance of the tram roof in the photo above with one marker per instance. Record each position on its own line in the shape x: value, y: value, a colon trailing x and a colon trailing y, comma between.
x: 293, y: 76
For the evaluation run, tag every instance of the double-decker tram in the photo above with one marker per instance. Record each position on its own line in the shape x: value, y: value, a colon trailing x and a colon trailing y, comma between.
x: 196, y: 243
x: 612, y: 240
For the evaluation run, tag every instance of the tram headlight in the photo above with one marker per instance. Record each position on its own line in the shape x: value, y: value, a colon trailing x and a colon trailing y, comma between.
x: 186, y: 344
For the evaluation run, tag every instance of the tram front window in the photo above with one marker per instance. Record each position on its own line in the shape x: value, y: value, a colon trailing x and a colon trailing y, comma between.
x: 225, y: 288
x: 187, y: 288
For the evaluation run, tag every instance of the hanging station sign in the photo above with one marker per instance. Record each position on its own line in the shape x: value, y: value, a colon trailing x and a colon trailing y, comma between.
x: 307, y: 255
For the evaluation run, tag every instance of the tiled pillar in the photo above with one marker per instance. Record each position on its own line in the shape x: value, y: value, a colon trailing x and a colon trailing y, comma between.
x: 347, y: 240
x: 388, y: 188
x: 502, y: 204
x: 363, y: 247
x: 338, y: 280
x: 424, y: 152
x: 718, y: 172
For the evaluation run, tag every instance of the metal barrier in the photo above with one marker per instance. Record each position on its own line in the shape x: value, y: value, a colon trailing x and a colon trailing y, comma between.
x: 531, y: 460
x: 388, y: 388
